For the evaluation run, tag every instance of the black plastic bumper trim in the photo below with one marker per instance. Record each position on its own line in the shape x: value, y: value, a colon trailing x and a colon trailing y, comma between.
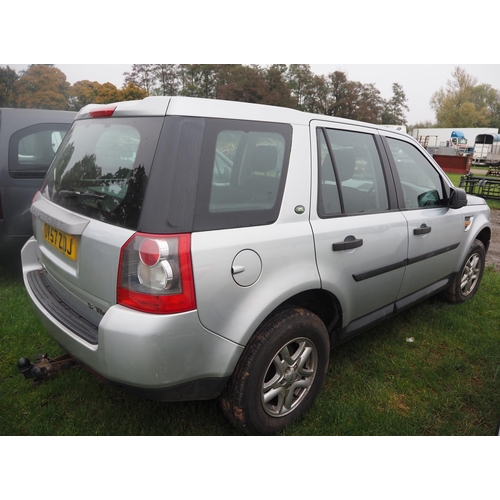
x: 59, y: 310
x: 202, y: 389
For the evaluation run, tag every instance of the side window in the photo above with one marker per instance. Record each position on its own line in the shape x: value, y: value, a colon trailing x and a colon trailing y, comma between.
x: 32, y: 149
x: 351, y: 178
x: 243, y: 172
x: 421, y: 183
x: 247, y: 170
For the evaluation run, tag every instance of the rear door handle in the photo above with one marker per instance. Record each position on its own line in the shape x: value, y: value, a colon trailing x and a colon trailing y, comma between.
x: 347, y: 244
x: 423, y: 229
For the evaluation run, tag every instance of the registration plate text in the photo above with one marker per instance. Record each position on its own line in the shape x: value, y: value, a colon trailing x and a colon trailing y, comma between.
x: 65, y: 243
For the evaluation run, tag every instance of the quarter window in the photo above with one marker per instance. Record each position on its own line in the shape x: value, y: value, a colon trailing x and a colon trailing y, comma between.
x: 247, y: 170
x: 243, y: 173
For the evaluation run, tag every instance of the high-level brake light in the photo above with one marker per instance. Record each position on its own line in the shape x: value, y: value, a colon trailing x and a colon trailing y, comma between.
x: 102, y: 112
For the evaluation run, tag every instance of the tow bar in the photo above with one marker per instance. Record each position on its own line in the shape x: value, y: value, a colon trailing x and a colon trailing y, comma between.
x: 45, y: 367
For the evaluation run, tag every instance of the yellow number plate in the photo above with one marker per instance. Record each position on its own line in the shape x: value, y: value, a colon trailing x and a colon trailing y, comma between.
x: 65, y: 243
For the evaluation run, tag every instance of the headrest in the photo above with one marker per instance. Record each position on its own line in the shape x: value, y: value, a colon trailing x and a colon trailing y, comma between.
x: 264, y: 159
x: 345, y: 162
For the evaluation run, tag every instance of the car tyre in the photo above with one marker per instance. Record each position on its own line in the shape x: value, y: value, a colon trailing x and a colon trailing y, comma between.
x: 279, y: 374
x: 466, y: 282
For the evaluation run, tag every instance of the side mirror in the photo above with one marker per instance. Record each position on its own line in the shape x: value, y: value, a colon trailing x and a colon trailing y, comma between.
x: 458, y: 198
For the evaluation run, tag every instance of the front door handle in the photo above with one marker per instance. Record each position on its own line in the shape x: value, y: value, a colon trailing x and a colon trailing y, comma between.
x: 349, y: 243
x: 423, y: 229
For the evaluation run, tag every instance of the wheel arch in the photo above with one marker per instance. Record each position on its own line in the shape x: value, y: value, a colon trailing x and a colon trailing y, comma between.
x: 484, y: 236
x: 320, y: 302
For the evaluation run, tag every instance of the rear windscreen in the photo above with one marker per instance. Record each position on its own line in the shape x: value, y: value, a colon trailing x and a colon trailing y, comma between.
x: 102, y: 168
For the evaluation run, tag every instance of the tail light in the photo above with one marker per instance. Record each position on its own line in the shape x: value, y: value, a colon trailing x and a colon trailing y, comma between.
x: 156, y: 274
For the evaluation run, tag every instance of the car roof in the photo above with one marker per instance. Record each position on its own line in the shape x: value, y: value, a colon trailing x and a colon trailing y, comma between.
x: 215, y: 108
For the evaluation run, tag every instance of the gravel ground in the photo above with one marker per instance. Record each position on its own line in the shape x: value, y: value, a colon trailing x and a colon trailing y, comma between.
x: 493, y: 255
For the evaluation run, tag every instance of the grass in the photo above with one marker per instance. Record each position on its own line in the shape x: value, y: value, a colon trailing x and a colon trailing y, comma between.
x: 445, y: 382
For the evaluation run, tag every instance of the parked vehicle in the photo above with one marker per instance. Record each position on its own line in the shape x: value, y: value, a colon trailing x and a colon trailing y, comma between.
x: 458, y: 141
x: 449, y: 141
x: 29, y: 139
x: 487, y: 150
x: 193, y: 249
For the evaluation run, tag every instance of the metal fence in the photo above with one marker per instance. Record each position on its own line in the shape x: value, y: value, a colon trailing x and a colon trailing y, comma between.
x: 481, y: 186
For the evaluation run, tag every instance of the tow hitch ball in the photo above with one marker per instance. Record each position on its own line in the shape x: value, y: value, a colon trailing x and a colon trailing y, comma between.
x: 45, y: 367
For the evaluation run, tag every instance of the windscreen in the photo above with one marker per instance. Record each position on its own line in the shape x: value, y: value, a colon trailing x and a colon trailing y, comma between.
x: 102, y: 168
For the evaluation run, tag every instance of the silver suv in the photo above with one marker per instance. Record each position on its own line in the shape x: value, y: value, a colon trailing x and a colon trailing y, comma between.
x: 192, y: 249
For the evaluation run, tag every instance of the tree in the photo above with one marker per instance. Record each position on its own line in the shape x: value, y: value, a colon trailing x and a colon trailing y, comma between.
x: 82, y: 93
x: 464, y: 103
x: 394, y: 108
x: 425, y: 124
x: 317, y: 96
x: 42, y: 86
x: 243, y: 83
x: 142, y: 75
x: 370, y: 104
x: 487, y: 100
x: 131, y: 92
x: 299, y: 79
x: 198, y: 80
x: 8, y: 78
x: 344, y: 95
x: 108, y: 93
x: 278, y: 91
x: 167, y: 79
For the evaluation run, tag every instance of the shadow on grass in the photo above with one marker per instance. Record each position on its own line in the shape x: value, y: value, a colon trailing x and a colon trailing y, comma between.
x: 10, y: 262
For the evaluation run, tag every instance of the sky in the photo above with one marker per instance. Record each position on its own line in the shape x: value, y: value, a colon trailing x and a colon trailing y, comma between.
x: 419, y: 81
x: 415, y: 45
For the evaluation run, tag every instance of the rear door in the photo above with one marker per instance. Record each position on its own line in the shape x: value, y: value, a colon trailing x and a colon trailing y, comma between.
x: 360, y: 235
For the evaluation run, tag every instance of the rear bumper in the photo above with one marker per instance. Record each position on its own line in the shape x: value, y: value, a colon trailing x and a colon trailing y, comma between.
x: 167, y: 357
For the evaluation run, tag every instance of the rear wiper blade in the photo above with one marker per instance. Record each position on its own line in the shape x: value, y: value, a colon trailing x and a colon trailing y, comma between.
x: 66, y: 193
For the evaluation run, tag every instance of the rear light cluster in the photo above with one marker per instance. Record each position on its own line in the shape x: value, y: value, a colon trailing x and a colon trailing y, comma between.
x: 156, y: 274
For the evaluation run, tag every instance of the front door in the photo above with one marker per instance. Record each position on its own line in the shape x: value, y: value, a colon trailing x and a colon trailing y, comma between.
x: 434, y: 230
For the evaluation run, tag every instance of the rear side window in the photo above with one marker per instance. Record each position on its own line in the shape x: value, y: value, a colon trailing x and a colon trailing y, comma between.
x: 351, y: 177
x: 32, y: 149
x: 102, y: 168
x: 243, y: 172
